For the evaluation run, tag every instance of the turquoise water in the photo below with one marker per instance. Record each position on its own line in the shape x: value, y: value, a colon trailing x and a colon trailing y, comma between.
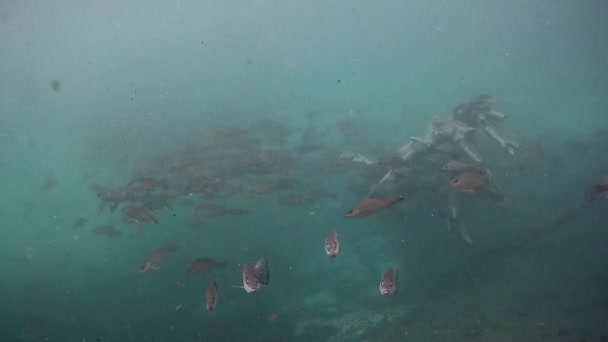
x: 96, y: 93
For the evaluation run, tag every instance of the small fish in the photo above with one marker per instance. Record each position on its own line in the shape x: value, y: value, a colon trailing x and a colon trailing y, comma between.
x: 389, y: 283
x: 469, y: 181
x: 79, y: 222
x: 371, y: 206
x: 107, y: 230
x: 156, y: 257
x: 256, y: 274
x: 457, y: 165
x: 203, y: 265
x: 453, y: 223
x: 332, y: 244
x: 592, y: 191
x: 211, y: 295
x: 601, y: 187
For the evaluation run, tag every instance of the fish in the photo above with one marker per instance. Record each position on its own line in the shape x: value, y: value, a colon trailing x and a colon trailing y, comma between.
x: 107, y: 230
x: 601, y: 187
x: 138, y: 214
x: 371, y: 206
x: 146, y: 184
x: 592, y: 191
x: 79, y: 222
x: 211, y: 295
x: 156, y: 257
x: 256, y: 274
x: 332, y: 244
x: 389, y: 282
x: 469, y: 181
x: 203, y: 265
x: 457, y: 165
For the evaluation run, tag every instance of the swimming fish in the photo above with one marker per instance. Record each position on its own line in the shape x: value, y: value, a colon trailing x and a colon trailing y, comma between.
x: 256, y: 274
x: 201, y: 266
x: 469, y: 181
x: 457, y: 165
x: 388, y: 283
x: 601, y: 187
x: 156, y: 257
x: 211, y: 295
x: 332, y: 244
x: 371, y: 206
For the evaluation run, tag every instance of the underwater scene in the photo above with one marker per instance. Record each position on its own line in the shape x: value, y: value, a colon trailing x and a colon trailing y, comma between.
x: 281, y: 170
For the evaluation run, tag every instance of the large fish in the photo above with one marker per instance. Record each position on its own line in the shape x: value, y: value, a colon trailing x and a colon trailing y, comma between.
x: 256, y: 274
x: 332, y: 244
x: 211, y: 295
x: 389, y: 283
x: 371, y: 206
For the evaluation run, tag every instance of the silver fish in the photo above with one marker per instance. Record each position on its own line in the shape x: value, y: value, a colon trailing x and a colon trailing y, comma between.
x: 256, y: 274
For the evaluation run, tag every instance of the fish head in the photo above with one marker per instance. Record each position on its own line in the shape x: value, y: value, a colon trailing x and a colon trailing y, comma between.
x: 251, y: 282
x: 388, y: 283
x: 354, y: 211
x: 457, y: 182
x: 104, y: 195
x: 332, y: 244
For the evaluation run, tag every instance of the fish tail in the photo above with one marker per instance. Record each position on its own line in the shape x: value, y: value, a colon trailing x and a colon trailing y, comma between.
x: 397, y: 200
x: 264, y: 270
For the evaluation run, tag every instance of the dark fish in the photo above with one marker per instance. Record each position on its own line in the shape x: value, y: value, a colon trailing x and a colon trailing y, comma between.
x: 601, y: 187
x: 113, y: 197
x: 137, y: 214
x: 145, y: 184
x: 332, y: 244
x: 371, y: 206
x: 203, y: 265
x: 156, y: 257
x: 211, y: 295
x: 256, y: 274
x: 50, y: 183
x: 389, y: 282
x: 79, y: 222
x: 107, y: 230
x: 457, y: 165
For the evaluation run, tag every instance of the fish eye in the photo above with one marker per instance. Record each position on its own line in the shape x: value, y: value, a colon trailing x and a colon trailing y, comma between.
x: 381, y: 282
x: 335, y: 245
x: 327, y: 245
x: 247, y: 281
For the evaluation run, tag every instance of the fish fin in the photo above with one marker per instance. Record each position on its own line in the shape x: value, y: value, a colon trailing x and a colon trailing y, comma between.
x: 387, y: 177
x: 464, y: 234
x: 113, y: 206
x: 263, y: 270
